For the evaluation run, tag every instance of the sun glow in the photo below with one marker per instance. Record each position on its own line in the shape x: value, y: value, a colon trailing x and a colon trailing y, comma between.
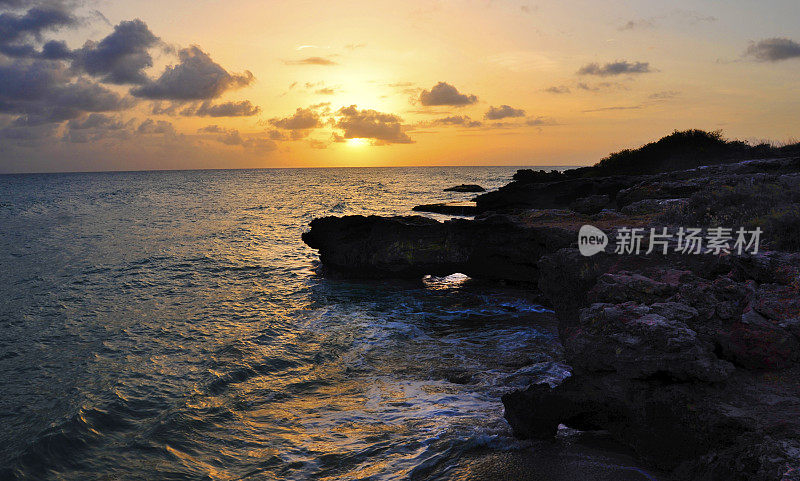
x: 357, y: 142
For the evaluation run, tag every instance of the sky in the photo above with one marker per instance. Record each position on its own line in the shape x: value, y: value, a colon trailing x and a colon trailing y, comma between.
x: 172, y: 84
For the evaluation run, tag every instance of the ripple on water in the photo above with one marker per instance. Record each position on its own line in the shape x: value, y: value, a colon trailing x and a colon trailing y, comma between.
x: 170, y: 325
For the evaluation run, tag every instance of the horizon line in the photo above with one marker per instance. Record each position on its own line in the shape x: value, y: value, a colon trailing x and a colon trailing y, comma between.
x: 284, y: 168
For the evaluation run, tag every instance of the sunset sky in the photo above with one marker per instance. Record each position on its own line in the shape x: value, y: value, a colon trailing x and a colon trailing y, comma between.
x: 173, y: 84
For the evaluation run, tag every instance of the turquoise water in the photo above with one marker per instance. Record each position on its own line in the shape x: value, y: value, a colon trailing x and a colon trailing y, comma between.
x: 172, y: 325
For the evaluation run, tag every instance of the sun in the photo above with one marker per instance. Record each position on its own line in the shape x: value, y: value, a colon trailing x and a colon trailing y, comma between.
x: 357, y: 142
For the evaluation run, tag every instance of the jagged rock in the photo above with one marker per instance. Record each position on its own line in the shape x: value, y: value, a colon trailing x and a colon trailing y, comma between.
x: 649, y: 206
x: 637, y: 343
x: 746, y: 428
x: 549, y: 195
x: 591, y: 204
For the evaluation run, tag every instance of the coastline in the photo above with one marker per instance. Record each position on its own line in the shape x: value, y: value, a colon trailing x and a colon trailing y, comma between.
x: 690, y: 360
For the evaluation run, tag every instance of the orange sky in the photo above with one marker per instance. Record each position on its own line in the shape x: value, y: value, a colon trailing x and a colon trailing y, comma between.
x: 396, y: 83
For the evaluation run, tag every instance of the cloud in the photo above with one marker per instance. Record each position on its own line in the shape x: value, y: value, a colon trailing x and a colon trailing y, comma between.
x: 43, y: 92
x: 664, y: 95
x: 276, y: 135
x: 317, y: 144
x: 540, y: 121
x: 606, y: 109
x: 682, y: 16
x: 243, y: 108
x: 150, y: 126
x: 96, y: 127
x: 637, y: 24
x: 311, y: 61
x: 302, y: 119
x: 28, y: 136
x: 30, y: 25
x: 561, y: 89
x: 601, y: 86
x: 502, y: 112
x: 325, y: 91
x: 195, y: 77
x: 773, y: 49
x: 121, y: 57
x: 95, y: 121
x: 354, y: 46
x: 233, y: 137
x: 619, y: 67
x: 445, y: 94
x: 464, y: 120
x: 383, y: 128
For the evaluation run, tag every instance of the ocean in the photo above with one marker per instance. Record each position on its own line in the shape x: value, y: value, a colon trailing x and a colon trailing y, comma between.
x: 172, y: 325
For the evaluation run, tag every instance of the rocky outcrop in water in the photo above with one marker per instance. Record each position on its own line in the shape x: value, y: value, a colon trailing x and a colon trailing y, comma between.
x: 503, y: 247
x: 449, y: 208
x: 465, y: 188
x: 693, y: 360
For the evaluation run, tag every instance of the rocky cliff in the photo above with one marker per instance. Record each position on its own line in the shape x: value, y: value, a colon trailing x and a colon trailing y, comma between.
x: 691, y: 359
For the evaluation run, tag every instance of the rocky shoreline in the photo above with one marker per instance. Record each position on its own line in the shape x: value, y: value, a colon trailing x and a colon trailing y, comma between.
x: 689, y: 359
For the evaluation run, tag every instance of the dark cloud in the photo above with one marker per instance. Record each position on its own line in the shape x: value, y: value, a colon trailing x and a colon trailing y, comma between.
x: 502, y: 112
x: 151, y: 126
x: 12, y: 3
x: 558, y: 89
x: 96, y: 121
x: 225, y: 136
x: 42, y: 92
x: 312, y: 61
x: 303, y: 119
x: 33, y: 23
x: 96, y: 127
x: 241, y: 108
x: 445, y: 94
x: 619, y: 67
x: 55, y: 50
x: 774, y: 49
x: 195, y: 77
x: 121, y: 57
x: 383, y: 128
x: 28, y: 136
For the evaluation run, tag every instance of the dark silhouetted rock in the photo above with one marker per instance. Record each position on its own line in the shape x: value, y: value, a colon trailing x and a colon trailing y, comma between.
x: 449, y: 208
x: 465, y: 188
x: 501, y: 247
